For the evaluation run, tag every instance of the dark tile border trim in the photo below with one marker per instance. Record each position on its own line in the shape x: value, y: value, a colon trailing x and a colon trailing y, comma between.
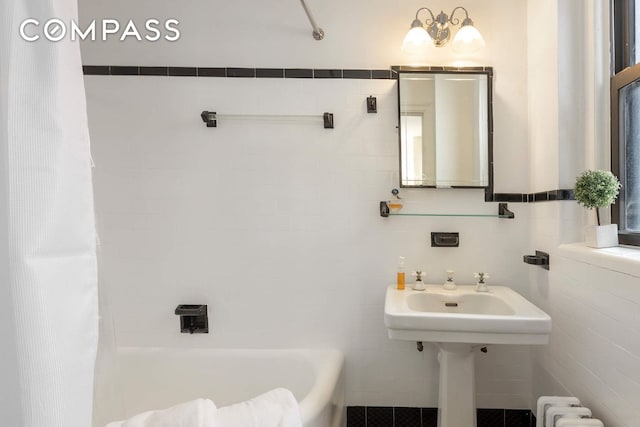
x: 510, y: 197
x: 183, y: 71
x: 116, y: 70
x: 327, y: 74
x: 96, y: 70
x: 273, y: 73
x: 235, y: 72
x: 381, y: 74
x: 542, y: 196
x: 298, y: 73
x: 154, y: 71
x: 356, y: 74
x: 211, y: 72
x: 241, y: 72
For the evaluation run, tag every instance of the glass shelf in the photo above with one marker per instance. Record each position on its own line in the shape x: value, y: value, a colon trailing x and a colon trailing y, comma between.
x: 503, y: 212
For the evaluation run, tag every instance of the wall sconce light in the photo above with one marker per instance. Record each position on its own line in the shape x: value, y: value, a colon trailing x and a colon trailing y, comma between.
x: 438, y: 32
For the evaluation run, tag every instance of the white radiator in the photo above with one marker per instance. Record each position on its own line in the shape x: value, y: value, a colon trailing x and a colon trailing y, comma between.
x: 562, y: 411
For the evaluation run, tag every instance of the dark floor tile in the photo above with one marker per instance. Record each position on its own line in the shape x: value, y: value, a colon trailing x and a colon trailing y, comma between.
x: 491, y: 418
x: 429, y: 417
x: 407, y: 417
x: 356, y: 416
x: 517, y: 418
x: 379, y: 416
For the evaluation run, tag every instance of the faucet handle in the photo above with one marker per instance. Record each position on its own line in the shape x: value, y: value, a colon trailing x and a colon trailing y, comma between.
x: 481, y: 276
x: 419, y: 286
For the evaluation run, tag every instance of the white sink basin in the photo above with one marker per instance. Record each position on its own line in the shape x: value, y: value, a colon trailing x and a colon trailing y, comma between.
x: 500, y: 316
x: 478, y: 303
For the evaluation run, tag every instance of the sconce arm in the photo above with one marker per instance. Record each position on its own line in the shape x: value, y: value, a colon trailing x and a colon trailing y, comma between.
x: 426, y: 21
x: 456, y: 21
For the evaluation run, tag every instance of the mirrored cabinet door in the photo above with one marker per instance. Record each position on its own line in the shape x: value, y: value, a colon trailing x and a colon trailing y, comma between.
x: 444, y: 129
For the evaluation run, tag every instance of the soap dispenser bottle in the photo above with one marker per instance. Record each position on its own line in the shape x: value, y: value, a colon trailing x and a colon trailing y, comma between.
x: 450, y: 285
x: 400, y: 274
x: 395, y: 203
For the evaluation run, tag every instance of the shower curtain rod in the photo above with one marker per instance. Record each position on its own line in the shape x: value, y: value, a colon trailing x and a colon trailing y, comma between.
x: 318, y: 34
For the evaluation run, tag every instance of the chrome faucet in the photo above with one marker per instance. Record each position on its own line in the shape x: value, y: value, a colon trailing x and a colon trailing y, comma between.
x: 481, y: 286
x: 450, y: 285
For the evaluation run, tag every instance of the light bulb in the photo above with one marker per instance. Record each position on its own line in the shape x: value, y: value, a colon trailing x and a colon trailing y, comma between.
x: 467, y: 40
x: 416, y: 41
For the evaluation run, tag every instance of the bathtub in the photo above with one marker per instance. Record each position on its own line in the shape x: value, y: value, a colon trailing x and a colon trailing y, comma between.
x: 142, y: 379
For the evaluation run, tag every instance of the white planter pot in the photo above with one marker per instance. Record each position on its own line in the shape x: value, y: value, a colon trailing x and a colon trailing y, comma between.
x: 601, y: 236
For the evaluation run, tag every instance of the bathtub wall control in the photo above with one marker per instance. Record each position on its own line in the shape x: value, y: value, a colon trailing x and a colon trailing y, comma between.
x: 193, y: 318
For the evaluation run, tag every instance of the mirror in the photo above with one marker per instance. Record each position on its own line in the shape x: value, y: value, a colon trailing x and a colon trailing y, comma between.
x: 445, y: 127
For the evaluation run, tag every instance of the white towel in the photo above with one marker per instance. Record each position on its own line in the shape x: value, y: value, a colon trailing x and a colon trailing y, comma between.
x: 275, y: 408
x: 195, y: 413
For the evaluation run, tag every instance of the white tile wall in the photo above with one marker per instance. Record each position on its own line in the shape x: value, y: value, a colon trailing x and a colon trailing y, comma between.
x: 276, y: 227
x: 594, y: 350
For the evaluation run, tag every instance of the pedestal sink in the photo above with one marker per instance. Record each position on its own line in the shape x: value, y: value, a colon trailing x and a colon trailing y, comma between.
x: 456, y: 321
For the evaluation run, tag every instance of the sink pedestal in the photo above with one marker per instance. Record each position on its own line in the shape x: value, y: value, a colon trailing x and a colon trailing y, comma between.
x: 456, y: 321
x: 457, y: 392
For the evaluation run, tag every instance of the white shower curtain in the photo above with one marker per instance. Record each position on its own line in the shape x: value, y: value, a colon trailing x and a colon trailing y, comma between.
x: 48, y: 283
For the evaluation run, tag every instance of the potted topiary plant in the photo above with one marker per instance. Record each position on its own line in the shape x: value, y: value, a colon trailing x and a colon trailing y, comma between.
x: 594, y: 190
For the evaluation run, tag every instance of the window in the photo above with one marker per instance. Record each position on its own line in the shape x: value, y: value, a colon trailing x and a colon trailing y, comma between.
x: 625, y: 118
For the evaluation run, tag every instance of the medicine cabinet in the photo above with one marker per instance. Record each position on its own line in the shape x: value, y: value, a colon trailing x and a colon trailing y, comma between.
x: 445, y: 121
